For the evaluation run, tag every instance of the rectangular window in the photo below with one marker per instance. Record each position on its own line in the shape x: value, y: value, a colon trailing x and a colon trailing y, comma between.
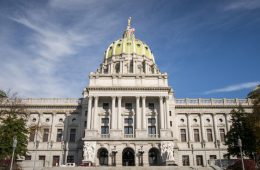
x: 104, y: 129
x: 42, y: 157
x: 212, y: 157
x: 128, y: 106
x: 151, y: 130
x: 209, y: 135
x: 28, y: 157
x: 185, y: 160
x: 151, y: 120
x: 151, y: 106
x: 59, y: 135
x: 106, y: 106
x: 70, y: 159
x: 171, y: 123
x: 170, y: 113
x: 32, y: 135
x: 128, y: 129
x: 196, y: 135
x: 199, y: 160
x: 222, y: 134
x: 85, y: 123
x: 45, y: 135
x: 183, y: 135
x: 55, y: 160
x: 105, y: 120
x: 72, y: 135
x: 128, y: 121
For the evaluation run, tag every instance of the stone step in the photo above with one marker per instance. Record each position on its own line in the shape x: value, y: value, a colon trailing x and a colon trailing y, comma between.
x: 132, y: 168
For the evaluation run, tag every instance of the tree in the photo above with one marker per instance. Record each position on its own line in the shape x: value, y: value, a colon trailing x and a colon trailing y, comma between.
x: 240, y: 128
x: 12, y: 123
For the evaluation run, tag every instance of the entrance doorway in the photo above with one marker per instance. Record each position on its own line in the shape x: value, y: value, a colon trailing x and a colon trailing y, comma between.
x: 55, y: 160
x: 153, y: 157
x: 128, y: 157
x: 103, y: 157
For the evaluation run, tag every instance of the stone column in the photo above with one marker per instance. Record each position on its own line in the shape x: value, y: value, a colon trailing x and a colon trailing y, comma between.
x: 143, y: 113
x: 119, y: 120
x: 226, y: 119
x: 167, y: 112
x: 113, y: 120
x: 202, y: 128
x: 215, y: 128
x: 89, y: 112
x: 95, y: 114
x: 161, y: 113
x: 188, y: 127
x: 121, y: 67
x: 138, y: 115
x: 134, y: 66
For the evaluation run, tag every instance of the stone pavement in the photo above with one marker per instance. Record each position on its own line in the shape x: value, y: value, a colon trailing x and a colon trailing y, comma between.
x: 132, y: 168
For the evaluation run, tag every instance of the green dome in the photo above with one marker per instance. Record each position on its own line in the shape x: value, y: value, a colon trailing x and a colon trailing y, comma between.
x: 2, y: 94
x: 254, y: 93
x: 129, y: 45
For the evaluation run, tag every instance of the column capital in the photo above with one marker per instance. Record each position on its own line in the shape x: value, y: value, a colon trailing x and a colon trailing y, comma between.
x: 113, y: 97
x: 137, y: 97
x: 96, y: 97
x: 90, y: 97
x: 143, y: 97
x: 119, y: 97
x: 160, y: 97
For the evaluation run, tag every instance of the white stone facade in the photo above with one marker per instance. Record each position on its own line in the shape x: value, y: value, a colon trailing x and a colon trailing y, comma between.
x: 129, y: 116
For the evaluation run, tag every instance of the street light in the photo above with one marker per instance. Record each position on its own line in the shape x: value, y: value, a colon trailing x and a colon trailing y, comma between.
x: 141, y: 152
x: 36, y: 143
x: 192, y: 150
x: 14, y: 147
x: 239, y: 142
x: 218, y: 143
x: 204, y: 145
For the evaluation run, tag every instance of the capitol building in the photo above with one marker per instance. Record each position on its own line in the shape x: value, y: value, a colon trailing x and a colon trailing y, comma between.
x: 129, y: 116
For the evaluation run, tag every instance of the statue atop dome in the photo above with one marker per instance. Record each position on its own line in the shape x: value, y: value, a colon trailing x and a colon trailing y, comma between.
x: 129, y: 22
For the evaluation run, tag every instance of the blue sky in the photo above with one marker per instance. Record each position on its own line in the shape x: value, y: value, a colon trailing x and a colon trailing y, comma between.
x: 210, y: 49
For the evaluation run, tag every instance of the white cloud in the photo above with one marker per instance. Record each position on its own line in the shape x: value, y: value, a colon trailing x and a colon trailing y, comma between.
x: 236, y: 87
x: 243, y: 4
x: 41, y: 65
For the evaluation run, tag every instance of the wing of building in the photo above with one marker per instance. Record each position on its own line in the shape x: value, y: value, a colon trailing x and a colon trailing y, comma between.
x: 128, y: 116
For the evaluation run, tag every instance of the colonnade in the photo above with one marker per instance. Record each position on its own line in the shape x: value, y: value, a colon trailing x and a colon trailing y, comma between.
x: 116, y: 113
x: 202, y: 127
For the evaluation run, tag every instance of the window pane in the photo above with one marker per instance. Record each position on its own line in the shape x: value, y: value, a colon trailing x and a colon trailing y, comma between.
x: 32, y: 135
x: 183, y: 135
x: 59, y: 135
x: 104, y: 130
x: 199, y: 160
x: 185, y: 160
x: 72, y: 135
x: 222, y: 134
x: 45, y: 135
x: 209, y: 135
x: 196, y: 135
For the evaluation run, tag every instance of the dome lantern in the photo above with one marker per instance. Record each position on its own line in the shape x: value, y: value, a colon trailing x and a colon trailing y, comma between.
x: 129, y: 45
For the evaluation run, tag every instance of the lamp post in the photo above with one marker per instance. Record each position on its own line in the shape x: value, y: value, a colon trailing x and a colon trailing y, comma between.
x: 204, y: 145
x: 36, y: 143
x: 114, y: 151
x: 141, y: 152
x: 50, y: 144
x: 239, y: 142
x: 14, y: 147
x: 192, y: 150
x: 218, y: 143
